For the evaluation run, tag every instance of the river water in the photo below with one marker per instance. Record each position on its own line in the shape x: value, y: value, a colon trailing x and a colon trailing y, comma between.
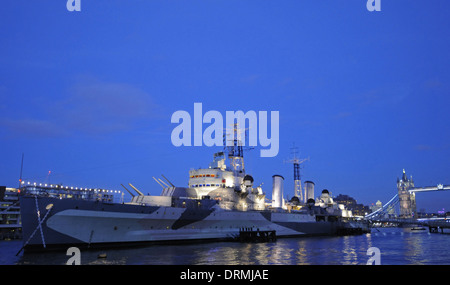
x: 397, y: 246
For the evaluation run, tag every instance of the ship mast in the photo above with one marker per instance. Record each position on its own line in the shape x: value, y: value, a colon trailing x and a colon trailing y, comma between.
x: 233, y: 144
x: 298, y: 191
x: 235, y: 150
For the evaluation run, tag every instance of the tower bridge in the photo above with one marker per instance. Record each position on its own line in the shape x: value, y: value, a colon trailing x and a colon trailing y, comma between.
x: 405, y: 199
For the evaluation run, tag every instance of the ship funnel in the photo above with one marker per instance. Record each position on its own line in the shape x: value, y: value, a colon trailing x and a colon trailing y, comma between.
x: 309, y: 190
x: 277, y: 191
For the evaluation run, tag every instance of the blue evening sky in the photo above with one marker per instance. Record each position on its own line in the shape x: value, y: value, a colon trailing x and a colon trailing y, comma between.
x: 89, y: 95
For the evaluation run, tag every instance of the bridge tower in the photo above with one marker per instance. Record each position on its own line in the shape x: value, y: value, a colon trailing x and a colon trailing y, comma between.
x: 407, y: 200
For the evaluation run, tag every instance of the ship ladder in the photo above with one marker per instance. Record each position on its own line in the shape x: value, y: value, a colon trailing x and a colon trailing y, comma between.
x: 39, y: 226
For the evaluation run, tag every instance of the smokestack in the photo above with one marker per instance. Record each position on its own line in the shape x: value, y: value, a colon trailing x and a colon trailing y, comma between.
x: 309, y: 190
x: 277, y: 191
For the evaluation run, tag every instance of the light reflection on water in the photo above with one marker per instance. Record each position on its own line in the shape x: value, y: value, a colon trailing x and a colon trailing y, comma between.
x: 397, y: 246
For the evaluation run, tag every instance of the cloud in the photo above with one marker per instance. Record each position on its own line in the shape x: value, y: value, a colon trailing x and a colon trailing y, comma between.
x: 342, y: 115
x: 32, y: 128
x: 2, y: 98
x: 432, y: 84
x: 90, y: 107
x: 366, y: 98
x: 102, y: 107
x: 286, y: 81
x: 310, y: 123
x: 250, y: 79
x: 422, y: 147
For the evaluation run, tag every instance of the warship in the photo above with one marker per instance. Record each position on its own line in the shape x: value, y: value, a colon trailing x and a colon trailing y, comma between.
x: 220, y: 203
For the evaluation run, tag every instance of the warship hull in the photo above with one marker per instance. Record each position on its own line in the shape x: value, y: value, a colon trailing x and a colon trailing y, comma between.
x: 53, y: 223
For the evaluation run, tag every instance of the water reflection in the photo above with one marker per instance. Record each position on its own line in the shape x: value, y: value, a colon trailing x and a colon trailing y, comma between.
x: 301, y: 253
x: 397, y: 246
x: 349, y: 251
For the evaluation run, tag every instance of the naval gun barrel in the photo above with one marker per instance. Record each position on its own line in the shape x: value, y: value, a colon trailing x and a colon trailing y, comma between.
x: 139, y: 192
x: 132, y: 195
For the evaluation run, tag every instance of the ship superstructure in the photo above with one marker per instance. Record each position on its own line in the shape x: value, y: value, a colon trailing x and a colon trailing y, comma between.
x: 226, y: 183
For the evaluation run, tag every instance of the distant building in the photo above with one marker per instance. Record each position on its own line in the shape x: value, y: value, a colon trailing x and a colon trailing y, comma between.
x: 378, y: 205
x: 66, y: 192
x: 10, y: 224
x: 351, y: 204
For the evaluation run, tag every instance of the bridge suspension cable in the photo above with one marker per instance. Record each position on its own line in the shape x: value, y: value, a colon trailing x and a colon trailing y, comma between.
x: 383, y: 209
